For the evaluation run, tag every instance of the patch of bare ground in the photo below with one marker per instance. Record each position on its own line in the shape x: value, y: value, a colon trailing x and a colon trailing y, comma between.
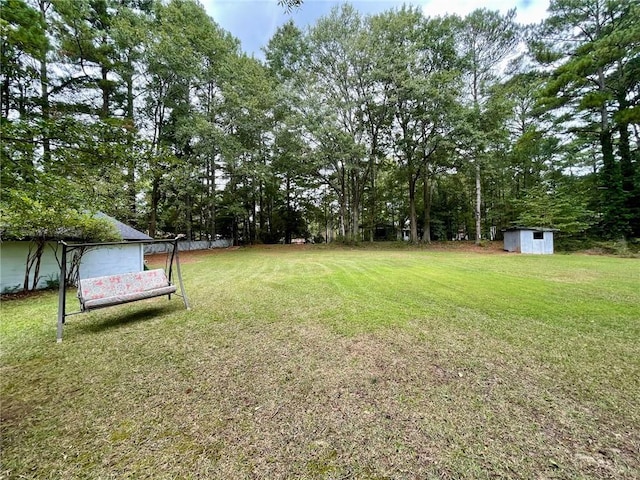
x: 188, y: 256
x: 467, y: 246
x: 25, y: 294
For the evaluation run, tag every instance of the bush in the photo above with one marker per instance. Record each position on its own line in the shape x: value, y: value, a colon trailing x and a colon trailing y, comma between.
x: 621, y: 247
x: 10, y: 290
x: 53, y: 282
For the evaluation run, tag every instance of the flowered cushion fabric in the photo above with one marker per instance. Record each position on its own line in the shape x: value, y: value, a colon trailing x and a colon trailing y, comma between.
x: 124, y: 287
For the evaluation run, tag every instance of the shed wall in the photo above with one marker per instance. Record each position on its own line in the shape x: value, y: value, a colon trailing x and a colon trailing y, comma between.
x: 111, y: 260
x: 95, y: 263
x: 547, y: 248
x: 13, y: 261
x: 528, y: 244
x: 512, y: 241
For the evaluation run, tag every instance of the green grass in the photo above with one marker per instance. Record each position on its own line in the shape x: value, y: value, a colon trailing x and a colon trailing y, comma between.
x: 336, y: 363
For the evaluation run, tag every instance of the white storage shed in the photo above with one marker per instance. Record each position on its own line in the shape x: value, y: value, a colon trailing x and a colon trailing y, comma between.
x: 529, y: 240
x: 108, y: 260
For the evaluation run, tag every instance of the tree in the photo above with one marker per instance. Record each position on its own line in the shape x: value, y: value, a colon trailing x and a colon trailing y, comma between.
x: 174, y: 59
x: 594, y: 48
x: 335, y: 111
x: 561, y: 206
x: 24, y: 44
x: 24, y: 40
x: 486, y: 40
x: 292, y: 175
x: 360, y: 122
x: 38, y: 213
x: 290, y: 4
x: 421, y: 74
x: 524, y: 146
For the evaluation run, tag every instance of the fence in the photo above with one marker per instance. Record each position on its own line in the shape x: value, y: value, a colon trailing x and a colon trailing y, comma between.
x: 188, y: 245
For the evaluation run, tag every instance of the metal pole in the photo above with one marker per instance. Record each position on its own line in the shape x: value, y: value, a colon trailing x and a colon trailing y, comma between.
x: 62, y: 292
x: 173, y: 254
x: 182, y: 292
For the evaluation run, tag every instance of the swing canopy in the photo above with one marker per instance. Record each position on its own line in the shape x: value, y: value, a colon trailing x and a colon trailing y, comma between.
x: 110, y: 290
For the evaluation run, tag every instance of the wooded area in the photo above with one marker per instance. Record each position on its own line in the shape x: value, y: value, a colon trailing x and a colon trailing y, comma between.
x: 365, y: 126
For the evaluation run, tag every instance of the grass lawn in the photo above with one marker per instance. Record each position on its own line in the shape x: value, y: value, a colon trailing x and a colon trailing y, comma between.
x: 336, y: 363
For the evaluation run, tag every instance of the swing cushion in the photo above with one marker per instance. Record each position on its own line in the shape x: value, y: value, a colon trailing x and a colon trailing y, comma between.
x: 123, y: 288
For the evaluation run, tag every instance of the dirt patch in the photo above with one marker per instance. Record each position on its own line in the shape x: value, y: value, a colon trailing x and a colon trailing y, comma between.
x: 25, y: 294
x: 192, y: 256
x: 471, y: 247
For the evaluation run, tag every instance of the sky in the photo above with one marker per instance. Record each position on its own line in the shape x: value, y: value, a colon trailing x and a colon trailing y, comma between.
x: 254, y: 22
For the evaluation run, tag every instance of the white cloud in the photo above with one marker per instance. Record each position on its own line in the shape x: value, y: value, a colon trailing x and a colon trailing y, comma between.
x: 255, y: 21
x: 528, y: 11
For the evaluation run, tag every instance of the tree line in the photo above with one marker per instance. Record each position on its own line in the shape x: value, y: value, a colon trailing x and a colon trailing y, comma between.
x: 360, y: 127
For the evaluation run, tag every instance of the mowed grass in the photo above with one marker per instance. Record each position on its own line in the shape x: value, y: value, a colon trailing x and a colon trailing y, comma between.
x: 336, y: 363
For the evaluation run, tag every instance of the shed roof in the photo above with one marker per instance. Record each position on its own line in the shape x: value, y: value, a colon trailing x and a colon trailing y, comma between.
x: 127, y: 231
x: 534, y: 229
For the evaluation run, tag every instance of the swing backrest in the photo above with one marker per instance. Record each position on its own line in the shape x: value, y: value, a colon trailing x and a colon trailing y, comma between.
x: 124, y: 287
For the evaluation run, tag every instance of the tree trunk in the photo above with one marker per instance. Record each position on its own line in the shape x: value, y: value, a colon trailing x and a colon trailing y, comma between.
x: 631, y: 191
x: 478, y: 205
x: 38, y: 259
x: 131, y: 165
x: 234, y: 231
x: 342, y: 194
x: 155, y: 200
x: 342, y: 213
x: 626, y: 162
x: 253, y: 220
x: 34, y: 258
x: 262, y: 222
x: 413, y: 219
x: 212, y: 197
x: 428, y: 194
x: 614, y: 223
x: 372, y: 195
x: 287, y: 228
x: 5, y: 97
x: 189, y: 219
x: 44, y: 95
x: 355, y: 208
x: 104, y: 109
x: 73, y: 267
x: 27, y: 270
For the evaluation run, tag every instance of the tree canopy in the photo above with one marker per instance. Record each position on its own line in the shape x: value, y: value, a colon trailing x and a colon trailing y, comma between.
x: 359, y: 127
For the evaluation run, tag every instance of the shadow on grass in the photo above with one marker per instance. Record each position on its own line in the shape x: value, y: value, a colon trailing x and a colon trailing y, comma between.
x: 118, y: 318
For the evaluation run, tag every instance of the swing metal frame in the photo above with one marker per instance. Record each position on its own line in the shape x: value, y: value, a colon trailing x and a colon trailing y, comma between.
x: 70, y: 247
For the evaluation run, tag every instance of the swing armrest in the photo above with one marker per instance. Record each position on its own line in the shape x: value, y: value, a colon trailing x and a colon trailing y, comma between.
x: 123, y: 288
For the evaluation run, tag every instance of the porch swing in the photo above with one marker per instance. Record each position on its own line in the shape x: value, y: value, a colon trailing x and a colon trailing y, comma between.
x: 110, y: 290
